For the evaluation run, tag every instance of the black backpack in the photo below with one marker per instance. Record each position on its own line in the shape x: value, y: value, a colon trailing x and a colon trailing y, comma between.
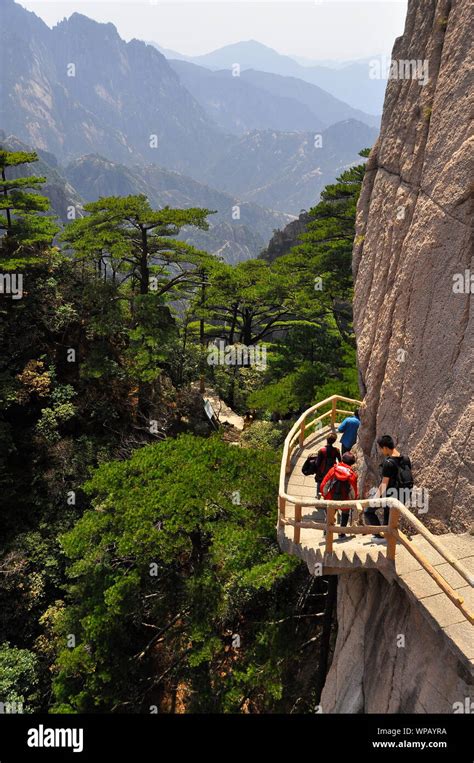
x: 404, y: 479
x: 309, y: 466
x: 342, y: 490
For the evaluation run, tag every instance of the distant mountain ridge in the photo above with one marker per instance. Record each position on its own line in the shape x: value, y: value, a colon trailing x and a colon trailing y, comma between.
x: 246, y: 223
x: 287, y: 171
x: 118, y: 115
x: 89, y: 177
x: 80, y: 88
x: 350, y: 83
x: 258, y: 100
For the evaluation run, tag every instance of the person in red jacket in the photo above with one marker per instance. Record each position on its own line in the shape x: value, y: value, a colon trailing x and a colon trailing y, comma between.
x: 340, y: 484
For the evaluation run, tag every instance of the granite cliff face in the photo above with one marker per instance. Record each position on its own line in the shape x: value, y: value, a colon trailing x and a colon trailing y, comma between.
x: 413, y: 320
x: 387, y: 658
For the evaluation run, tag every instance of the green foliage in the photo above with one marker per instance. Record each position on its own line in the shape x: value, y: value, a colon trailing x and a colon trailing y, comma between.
x: 127, y: 237
x: 50, y: 419
x: 26, y: 230
x: 236, y: 383
x: 167, y: 538
x: 323, y: 260
x: 300, y: 306
x: 167, y: 551
x: 264, y: 434
x: 18, y: 678
x: 135, y: 249
x: 248, y: 300
x: 347, y: 384
x: 292, y: 392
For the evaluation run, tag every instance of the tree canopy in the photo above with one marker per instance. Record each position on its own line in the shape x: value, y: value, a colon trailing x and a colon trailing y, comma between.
x: 25, y: 230
x: 139, y: 563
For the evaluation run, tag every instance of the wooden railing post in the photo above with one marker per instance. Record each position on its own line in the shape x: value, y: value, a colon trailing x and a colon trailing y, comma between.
x: 301, y: 437
x: 296, y: 535
x: 330, y: 518
x: 392, y: 533
x: 281, y: 510
x: 333, y: 413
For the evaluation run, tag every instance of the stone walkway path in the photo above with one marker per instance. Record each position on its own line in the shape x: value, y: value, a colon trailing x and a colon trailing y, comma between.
x: 361, y: 551
x: 222, y: 410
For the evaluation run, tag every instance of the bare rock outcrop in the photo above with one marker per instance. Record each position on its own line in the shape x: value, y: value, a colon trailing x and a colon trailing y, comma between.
x: 387, y: 658
x: 413, y: 317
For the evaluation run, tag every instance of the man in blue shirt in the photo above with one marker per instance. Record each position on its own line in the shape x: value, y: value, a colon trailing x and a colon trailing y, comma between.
x: 349, y: 428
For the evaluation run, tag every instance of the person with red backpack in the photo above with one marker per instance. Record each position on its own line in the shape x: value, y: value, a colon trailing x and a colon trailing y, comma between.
x: 340, y: 484
x: 320, y: 464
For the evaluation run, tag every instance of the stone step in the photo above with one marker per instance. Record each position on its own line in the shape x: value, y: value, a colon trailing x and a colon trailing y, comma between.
x: 365, y: 552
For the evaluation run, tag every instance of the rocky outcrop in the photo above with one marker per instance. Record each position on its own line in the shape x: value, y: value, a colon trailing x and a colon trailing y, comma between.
x: 412, y: 316
x: 387, y: 658
x: 285, y: 239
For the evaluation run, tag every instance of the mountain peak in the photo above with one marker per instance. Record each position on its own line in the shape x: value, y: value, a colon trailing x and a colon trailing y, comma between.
x: 255, y: 44
x: 249, y: 47
x: 77, y: 21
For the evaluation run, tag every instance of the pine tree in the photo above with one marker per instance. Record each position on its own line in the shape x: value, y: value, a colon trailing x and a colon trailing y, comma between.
x: 26, y: 228
x: 125, y: 237
x: 324, y: 258
x: 134, y: 248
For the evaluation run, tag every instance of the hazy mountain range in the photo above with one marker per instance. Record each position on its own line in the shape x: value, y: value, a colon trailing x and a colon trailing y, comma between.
x: 89, y: 177
x: 260, y: 100
x: 79, y: 88
x: 238, y: 231
x: 111, y: 117
x: 348, y: 81
x: 288, y: 170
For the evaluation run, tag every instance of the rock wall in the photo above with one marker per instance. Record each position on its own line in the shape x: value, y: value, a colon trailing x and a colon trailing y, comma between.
x: 387, y: 658
x: 414, y: 238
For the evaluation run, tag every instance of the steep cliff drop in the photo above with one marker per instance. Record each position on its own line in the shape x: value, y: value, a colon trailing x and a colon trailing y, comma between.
x: 413, y: 264
x: 413, y: 269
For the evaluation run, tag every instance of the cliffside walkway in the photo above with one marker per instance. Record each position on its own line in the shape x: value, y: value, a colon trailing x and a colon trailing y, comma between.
x: 437, y: 572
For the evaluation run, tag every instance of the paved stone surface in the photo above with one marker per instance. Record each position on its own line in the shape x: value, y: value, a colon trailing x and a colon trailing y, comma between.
x: 363, y: 552
x: 462, y: 634
x: 439, y: 609
x: 353, y: 551
x: 222, y: 410
x: 444, y: 611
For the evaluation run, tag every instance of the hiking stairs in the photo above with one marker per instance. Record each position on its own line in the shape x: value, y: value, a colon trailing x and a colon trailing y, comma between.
x: 436, y: 572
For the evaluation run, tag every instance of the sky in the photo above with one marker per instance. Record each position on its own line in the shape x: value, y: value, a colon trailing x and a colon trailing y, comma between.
x: 314, y: 29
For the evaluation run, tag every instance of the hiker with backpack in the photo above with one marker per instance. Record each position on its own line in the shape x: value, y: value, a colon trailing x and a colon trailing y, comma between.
x: 349, y: 429
x: 340, y: 484
x: 320, y: 464
x: 396, y: 480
